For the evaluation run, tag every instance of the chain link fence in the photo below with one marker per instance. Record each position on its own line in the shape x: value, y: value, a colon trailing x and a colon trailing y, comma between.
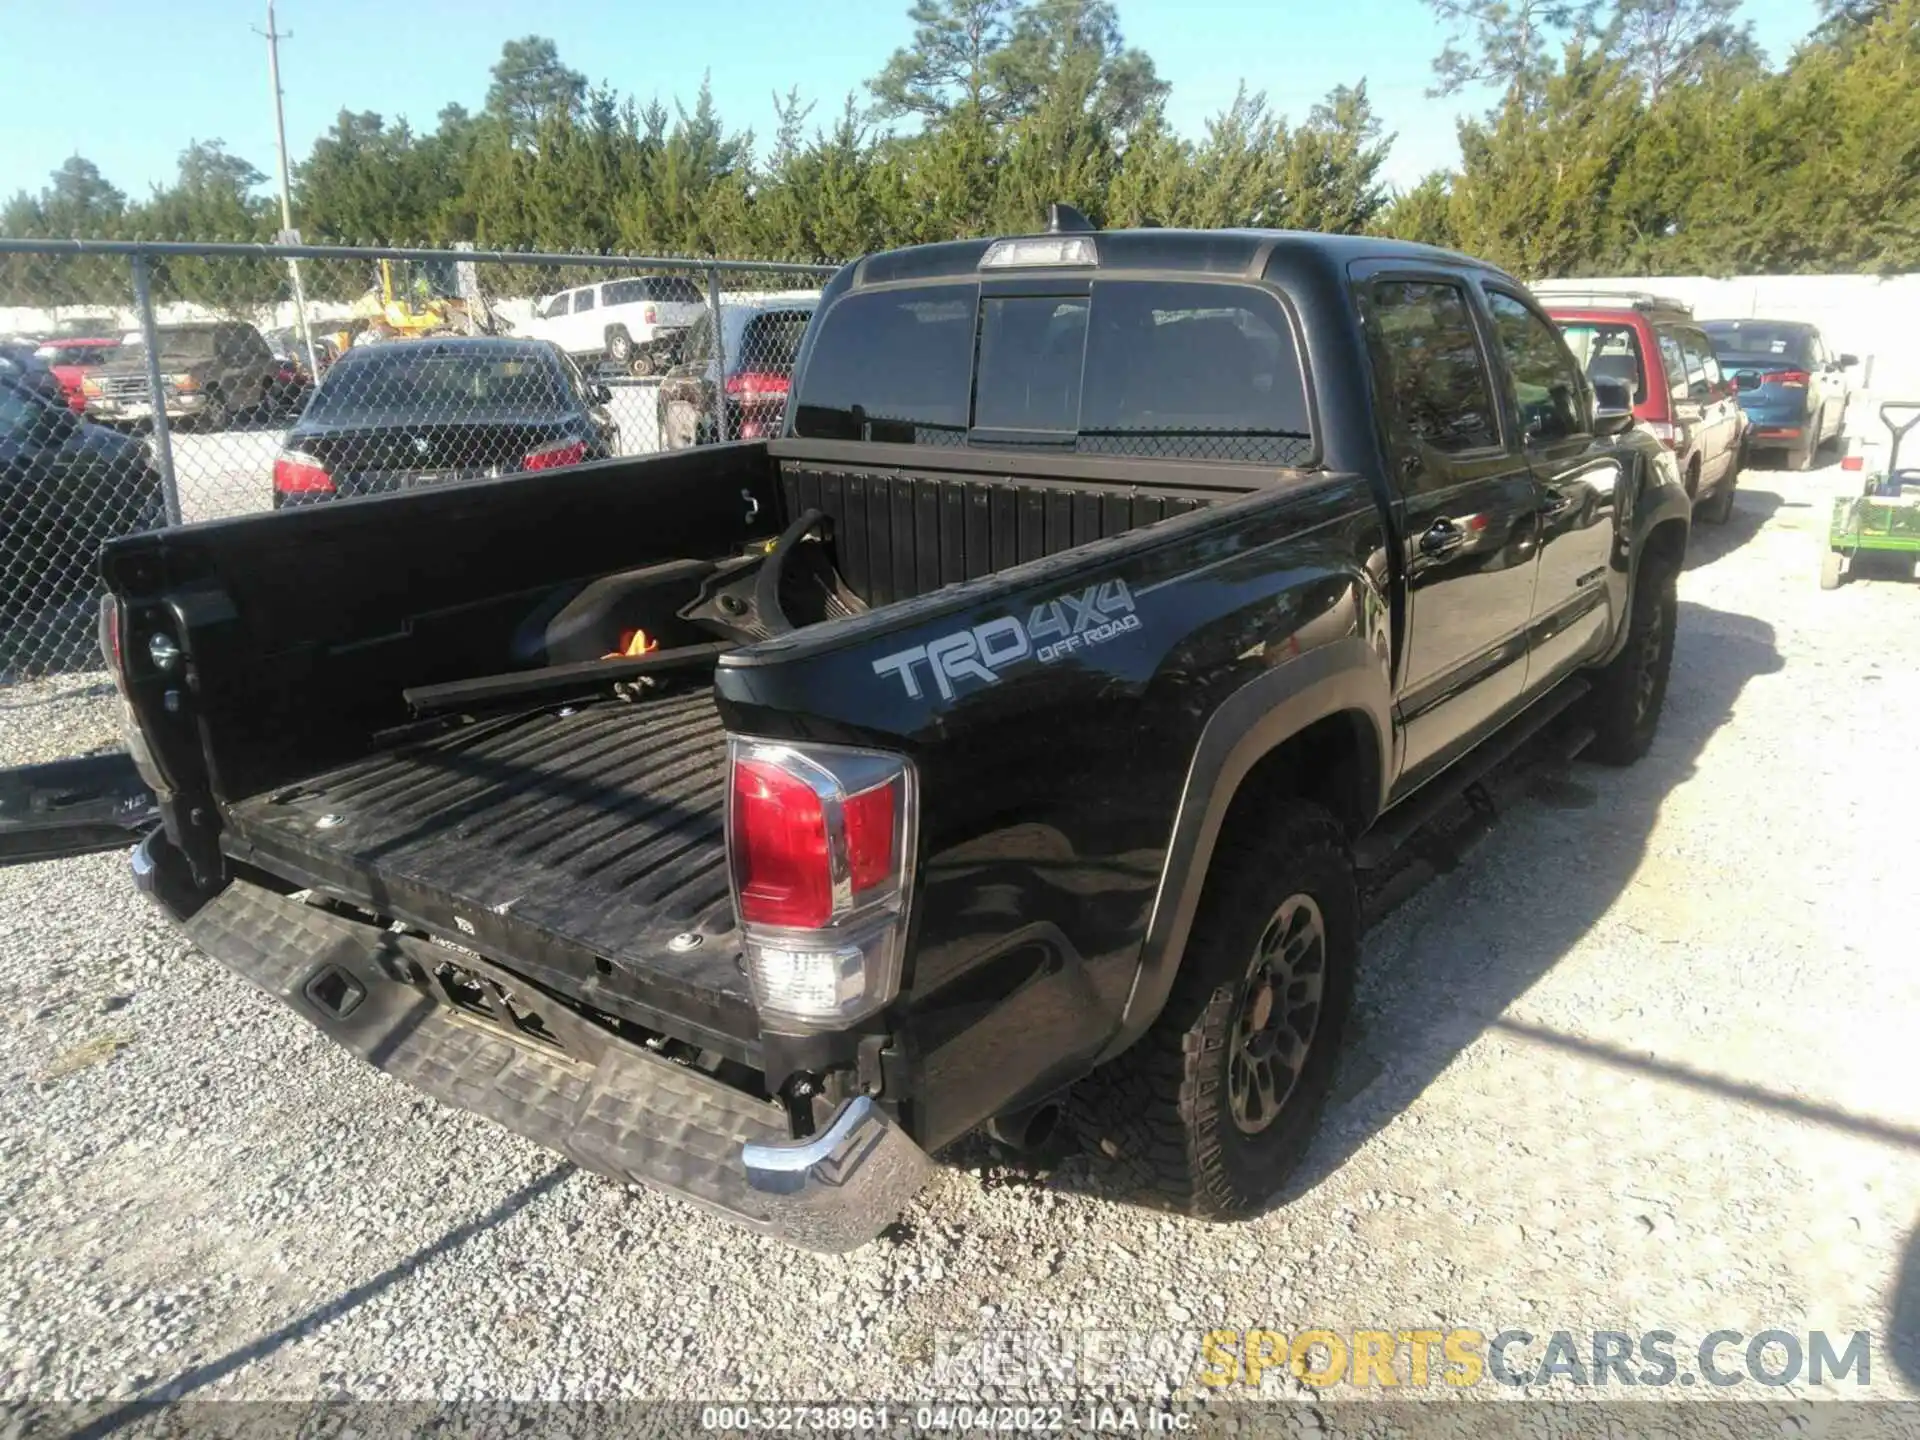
x: 143, y: 384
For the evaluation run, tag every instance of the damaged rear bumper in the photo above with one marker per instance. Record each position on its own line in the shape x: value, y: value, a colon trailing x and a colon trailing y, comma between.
x: 608, y: 1104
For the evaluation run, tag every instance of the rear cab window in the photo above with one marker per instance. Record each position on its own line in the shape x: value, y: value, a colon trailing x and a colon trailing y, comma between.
x: 1160, y: 369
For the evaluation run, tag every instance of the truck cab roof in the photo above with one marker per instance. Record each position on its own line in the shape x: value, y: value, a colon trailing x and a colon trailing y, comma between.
x: 1244, y: 253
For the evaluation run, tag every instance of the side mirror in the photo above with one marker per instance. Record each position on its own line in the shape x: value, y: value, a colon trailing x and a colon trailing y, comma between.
x: 1848, y: 361
x: 599, y: 394
x: 1612, y: 406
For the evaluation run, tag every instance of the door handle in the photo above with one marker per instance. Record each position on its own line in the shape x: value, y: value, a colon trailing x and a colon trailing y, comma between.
x: 1443, y: 537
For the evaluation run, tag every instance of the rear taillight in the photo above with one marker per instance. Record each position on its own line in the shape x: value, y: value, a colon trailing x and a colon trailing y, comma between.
x: 1795, y: 379
x: 1854, y: 463
x: 757, y: 385
x: 820, y: 844
x: 1671, y: 436
x: 297, y: 473
x: 650, y: 316
x: 110, y: 641
x: 550, y: 457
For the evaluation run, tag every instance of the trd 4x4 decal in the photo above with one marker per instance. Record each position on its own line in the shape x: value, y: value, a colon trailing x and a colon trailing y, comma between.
x: 1054, y: 630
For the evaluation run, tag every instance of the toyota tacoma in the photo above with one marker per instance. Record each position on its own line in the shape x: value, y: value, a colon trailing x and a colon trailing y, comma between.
x: 1008, y: 732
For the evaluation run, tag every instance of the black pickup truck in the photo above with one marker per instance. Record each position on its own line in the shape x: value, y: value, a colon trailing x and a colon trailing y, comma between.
x: 1015, y: 726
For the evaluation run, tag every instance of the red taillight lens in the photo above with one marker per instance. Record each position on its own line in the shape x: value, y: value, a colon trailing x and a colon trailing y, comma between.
x: 779, y: 838
x: 650, y: 316
x: 751, y: 385
x: 561, y: 452
x: 298, y: 474
x: 820, y: 842
x: 1854, y: 463
x: 1795, y: 378
x: 868, y: 819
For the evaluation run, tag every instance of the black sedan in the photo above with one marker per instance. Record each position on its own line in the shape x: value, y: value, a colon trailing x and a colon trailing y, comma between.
x: 65, y: 488
x: 405, y: 413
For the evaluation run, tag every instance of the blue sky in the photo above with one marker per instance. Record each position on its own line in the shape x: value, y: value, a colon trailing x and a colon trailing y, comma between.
x: 129, y: 85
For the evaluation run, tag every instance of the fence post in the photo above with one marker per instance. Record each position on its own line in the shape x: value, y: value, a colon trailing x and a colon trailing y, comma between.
x: 719, y: 358
x: 162, y: 433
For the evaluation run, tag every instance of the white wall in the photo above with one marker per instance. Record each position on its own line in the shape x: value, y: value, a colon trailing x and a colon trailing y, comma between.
x: 1875, y: 317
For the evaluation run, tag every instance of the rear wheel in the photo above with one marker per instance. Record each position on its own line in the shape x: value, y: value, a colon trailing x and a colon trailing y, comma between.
x: 641, y: 365
x: 619, y: 345
x: 216, y: 414
x: 1803, y: 459
x: 1719, y: 509
x: 1833, y: 570
x: 1217, y: 1103
x: 1631, y: 689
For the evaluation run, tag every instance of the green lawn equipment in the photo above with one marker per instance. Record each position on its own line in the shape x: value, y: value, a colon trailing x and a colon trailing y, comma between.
x: 1884, y: 516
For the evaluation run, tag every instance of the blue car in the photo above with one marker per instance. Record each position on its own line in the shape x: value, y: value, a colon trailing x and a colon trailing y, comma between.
x: 1792, y: 387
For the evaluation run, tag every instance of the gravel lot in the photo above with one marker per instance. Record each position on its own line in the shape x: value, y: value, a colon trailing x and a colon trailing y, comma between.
x: 1646, y: 1061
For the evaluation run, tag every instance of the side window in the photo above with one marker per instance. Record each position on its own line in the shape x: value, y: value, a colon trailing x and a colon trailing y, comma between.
x: 1716, y: 381
x: 1674, y: 361
x: 1546, y: 385
x: 582, y: 300
x: 556, y: 307
x: 1699, y: 355
x: 1433, y: 376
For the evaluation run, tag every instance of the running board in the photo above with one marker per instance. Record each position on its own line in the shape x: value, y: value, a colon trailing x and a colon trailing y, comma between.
x: 1407, y: 819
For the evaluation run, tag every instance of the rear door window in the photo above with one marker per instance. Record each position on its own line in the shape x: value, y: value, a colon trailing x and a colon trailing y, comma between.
x: 1432, y: 373
x: 1546, y: 385
x: 583, y: 300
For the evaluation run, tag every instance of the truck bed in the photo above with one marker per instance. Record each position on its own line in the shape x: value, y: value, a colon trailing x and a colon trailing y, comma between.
x: 579, y: 841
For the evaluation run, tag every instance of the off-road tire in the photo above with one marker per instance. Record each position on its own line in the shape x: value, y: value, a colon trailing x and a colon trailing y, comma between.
x: 1631, y: 689
x: 1833, y: 570
x: 619, y: 345
x: 1804, y: 459
x: 1719, y: 509
x: 1161, y: 1112
x: 217, y: 413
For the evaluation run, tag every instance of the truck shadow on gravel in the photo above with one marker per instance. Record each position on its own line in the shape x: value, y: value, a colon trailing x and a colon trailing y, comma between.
x: 1752, y: 511
x: 1421, y: 1005
x: 1903, y: 1334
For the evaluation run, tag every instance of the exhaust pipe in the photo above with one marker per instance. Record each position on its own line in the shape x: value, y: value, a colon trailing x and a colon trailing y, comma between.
x: 1027, y: 1129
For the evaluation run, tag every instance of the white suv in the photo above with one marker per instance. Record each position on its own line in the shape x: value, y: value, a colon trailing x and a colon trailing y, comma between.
x: 618, y: 320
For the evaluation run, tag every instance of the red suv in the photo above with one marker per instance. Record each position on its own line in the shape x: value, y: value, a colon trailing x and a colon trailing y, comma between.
x: 1679, y: 392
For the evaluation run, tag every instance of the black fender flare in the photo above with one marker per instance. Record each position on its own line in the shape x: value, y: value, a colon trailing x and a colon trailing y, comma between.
x: 1660, y: 504
x: 1343, y: 676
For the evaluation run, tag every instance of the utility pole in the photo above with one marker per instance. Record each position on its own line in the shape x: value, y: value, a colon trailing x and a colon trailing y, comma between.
x: 288, y: 235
